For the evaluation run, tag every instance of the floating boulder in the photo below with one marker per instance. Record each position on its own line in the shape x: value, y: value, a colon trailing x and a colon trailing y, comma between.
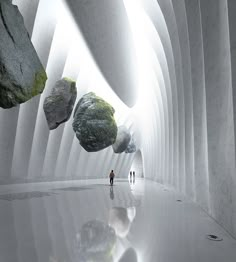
x: 131, y: 148
x: 94, y: 123
x: 122, y: 140
x: 22, y: 75
x: 95, y: 242
x: 59, y: 105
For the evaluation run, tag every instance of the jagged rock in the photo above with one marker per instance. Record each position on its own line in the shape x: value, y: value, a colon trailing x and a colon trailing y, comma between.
x: 131, y: 148
x: 21, y: 74
x: 94, y: 124
x: 59, y: 105
x: 95, y: 242
x: 122, y: 140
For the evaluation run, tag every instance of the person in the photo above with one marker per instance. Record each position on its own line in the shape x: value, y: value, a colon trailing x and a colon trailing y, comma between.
x: 130, y: 176
x: 112, y: 175
x: 133, y: 177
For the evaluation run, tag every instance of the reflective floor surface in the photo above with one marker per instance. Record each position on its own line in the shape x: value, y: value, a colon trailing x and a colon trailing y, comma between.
x: 91, y: 221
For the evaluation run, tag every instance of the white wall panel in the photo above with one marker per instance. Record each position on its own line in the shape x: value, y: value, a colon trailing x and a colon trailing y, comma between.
x: 54, y: 71
x: 219, y: 110
x: 199, y: 103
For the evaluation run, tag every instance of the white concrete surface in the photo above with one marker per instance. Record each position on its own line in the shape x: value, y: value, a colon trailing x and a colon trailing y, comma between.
x: 44, y: 225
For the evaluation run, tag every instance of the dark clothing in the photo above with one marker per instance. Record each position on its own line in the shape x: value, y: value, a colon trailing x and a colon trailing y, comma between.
x: 111, y: 178
x: 111, y: 181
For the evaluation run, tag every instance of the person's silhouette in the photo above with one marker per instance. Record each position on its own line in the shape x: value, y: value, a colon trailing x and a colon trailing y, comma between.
x: 112, y: 175
x: 130, y: 176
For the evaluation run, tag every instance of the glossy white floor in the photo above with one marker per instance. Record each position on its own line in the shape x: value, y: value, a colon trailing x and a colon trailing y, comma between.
x: 90, y: 221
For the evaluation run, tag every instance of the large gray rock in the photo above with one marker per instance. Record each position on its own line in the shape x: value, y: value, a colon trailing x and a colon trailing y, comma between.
x: 21, y: 74
x: 59, y: 105
x: 94, y: 124
x: 122, y: 140
x: 131, y: 148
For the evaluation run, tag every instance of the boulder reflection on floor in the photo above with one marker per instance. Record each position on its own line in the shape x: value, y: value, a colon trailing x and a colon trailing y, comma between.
x: 90, y: 221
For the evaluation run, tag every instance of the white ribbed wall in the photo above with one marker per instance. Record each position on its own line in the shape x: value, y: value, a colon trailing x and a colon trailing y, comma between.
x: 199, y: 49
x: 184, y: 116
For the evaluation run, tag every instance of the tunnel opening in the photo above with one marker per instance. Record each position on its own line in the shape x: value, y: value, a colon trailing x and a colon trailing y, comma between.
x: 137, y: 165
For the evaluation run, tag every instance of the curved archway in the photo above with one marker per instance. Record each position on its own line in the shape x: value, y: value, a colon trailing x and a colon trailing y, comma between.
x: 137, y: 165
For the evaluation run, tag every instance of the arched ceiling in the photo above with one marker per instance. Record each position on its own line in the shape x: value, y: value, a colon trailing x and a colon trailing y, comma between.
x: 106, y: 30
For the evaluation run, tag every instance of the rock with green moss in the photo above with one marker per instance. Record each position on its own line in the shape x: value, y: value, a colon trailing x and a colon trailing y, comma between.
x: 59, y: 105
x: 94, y: 123
x: 122, y: 140
x: 22, y: 75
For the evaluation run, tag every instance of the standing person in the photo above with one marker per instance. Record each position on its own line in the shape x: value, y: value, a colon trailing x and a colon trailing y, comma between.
x: 133, y: 177
x: 112, y: 175
x: 130, y: 176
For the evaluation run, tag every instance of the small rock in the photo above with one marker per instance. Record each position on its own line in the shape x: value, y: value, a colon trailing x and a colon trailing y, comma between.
x: 59, y: 105
x: 122, y: 140
x: 131, y: 148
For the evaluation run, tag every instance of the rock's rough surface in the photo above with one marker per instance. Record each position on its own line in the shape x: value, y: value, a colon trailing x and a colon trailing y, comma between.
x: 94, y: 124
x: 59, y: 105
x: 21, y: 74
x: 131, y: 148
x: 122, y: 140
x: 95, y: 242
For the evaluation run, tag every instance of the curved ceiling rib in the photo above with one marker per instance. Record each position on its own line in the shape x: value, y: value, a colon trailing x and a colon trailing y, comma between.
x: 107, y: 32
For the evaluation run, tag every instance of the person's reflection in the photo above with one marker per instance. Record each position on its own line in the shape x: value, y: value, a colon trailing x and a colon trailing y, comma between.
x: 111, y: 193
